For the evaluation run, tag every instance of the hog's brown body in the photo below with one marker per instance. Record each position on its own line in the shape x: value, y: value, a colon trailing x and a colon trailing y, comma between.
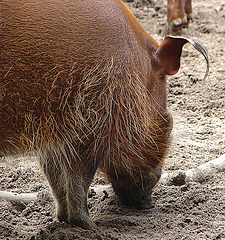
x: 84, y: 86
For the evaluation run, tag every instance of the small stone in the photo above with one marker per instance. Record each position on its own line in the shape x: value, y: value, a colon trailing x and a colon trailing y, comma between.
x: 221, y: 70
x: 106, y: 195
x: 91, y: 193
x: 177, y: 178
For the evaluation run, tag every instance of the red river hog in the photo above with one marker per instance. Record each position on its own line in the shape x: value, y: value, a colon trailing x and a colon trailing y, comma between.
x: 84, y: 86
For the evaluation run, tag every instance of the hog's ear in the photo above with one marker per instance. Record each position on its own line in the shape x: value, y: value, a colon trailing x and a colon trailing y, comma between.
x: 169, y: 52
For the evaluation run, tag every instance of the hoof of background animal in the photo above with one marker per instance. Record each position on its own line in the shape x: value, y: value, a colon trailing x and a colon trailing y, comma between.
x: 189, y: 18
x: 177, y: 25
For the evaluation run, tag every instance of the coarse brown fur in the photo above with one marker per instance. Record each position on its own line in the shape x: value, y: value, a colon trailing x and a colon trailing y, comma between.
x: 83, y: 85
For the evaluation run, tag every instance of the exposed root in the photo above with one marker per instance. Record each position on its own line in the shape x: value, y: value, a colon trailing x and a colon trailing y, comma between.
x: 199, y: 174
x: 18, y: 197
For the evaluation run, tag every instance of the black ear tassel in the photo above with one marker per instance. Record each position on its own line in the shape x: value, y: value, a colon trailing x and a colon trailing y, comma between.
x: 203, y: 51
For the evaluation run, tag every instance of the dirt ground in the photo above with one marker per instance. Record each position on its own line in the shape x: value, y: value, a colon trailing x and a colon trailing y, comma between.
x: 193, y: 210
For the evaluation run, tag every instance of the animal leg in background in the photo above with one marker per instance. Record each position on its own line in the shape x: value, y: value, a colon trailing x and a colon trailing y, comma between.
x: 179, y: 13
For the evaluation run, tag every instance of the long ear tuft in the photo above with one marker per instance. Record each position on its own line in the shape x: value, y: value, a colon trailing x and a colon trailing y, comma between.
x: 169, y: 53
x: 203, y: 51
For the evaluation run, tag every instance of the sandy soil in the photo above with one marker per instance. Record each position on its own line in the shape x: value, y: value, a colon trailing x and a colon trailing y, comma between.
x: 191, y: 210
